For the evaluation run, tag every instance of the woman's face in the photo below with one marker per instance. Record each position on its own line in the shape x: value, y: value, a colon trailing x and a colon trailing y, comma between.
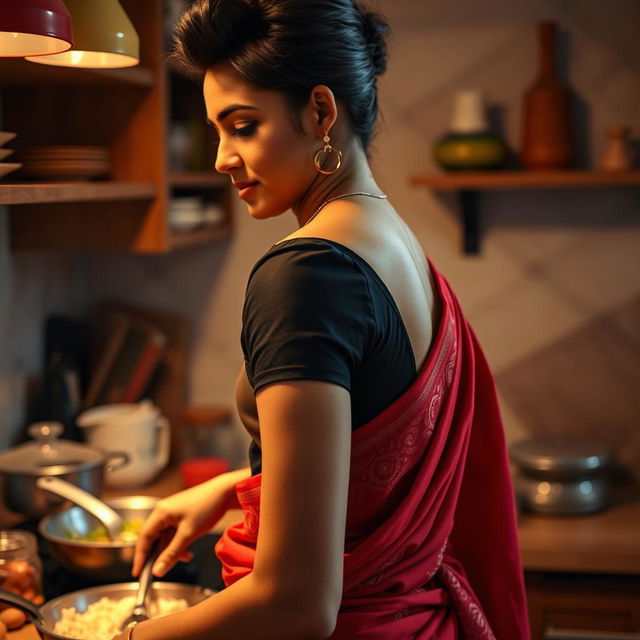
x: 268, y: 160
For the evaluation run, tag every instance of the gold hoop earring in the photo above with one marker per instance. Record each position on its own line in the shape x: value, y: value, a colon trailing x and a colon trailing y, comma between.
x: 327, y: 149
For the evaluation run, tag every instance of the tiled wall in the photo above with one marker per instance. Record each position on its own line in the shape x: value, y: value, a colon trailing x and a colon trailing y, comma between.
x: 554, y: 294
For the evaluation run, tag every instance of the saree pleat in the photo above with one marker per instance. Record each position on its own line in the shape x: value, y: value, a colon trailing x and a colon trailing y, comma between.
x: 431, y: 546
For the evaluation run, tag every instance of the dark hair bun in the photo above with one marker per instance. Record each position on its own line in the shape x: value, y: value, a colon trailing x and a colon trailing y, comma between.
x: 375, y: 30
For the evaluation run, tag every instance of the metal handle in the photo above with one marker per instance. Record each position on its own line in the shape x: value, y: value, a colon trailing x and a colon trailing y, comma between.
x: 554, y: 633
x: 145, y: 574
x: 116, y: 460
x: 107, y: 516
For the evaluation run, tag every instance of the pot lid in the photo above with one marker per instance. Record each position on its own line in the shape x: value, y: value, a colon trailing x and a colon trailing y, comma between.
x: 562, y: 454
x: 47, y: 454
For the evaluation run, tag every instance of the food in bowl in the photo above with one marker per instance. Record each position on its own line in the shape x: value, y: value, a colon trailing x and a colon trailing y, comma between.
x: 102, y: 619
x: 130, y: 532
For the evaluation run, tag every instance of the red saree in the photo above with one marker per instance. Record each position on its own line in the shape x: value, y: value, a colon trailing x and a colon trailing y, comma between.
x: 431, y: 550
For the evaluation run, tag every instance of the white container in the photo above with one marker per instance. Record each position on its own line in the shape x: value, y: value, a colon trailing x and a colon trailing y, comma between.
x: 468, y: 114
x: 138, y: 429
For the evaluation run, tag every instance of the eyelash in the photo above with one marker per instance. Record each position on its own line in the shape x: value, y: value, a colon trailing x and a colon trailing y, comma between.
x: 246, y: 131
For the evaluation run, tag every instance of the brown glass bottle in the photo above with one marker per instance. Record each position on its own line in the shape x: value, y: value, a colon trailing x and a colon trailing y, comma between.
x: 547, y: 136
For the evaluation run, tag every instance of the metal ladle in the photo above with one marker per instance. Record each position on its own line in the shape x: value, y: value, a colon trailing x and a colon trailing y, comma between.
x: 111, y: 520
x: 139, y: 613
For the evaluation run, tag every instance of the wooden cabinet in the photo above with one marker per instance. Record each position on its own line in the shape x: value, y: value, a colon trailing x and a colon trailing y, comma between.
x: 126, y: 110
x: 569, y: 606
x: 583, y: 572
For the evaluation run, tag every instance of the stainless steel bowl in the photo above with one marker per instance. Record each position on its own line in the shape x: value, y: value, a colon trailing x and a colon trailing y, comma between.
x: 45, y: 617
x: 106, y: 560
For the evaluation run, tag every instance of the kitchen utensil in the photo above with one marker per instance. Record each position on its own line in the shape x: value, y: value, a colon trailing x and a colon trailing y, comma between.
x: 139, y: 613
x: 44, y: 617
x: 137, y: 428
x: 108, y: 517
x: 79, y: 464
x: 108, y: 560
x: 563, y: 475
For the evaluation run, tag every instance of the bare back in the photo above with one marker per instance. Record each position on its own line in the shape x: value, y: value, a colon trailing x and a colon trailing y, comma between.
x: 374, y: 231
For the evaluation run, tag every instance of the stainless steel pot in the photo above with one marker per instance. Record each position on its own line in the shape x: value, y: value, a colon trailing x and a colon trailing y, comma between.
x: 45, y: 617
x: 79, y: 464
x: 108, y: 560
x: 563, y: 475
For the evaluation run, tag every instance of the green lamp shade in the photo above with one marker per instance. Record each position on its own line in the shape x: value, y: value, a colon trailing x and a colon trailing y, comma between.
x: 33, y: 28
x: 103, y: 37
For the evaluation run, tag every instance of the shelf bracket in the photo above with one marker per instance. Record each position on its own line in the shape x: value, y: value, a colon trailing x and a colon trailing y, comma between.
x: 470, y: 206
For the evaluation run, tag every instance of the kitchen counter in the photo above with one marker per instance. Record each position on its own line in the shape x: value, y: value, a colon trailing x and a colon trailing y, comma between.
x: 601, y: 543
x: 604, y: 542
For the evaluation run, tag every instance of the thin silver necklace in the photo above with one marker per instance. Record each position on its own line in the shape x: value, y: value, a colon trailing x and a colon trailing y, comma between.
x: 344, y: 195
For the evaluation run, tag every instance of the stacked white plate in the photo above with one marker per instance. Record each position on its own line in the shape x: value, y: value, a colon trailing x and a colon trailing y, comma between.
x: 186, y: 214
x: 7, y: 167
x: 65, y: 162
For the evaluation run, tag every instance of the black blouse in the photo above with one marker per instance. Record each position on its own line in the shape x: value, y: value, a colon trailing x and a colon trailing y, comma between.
x: 315, y: 310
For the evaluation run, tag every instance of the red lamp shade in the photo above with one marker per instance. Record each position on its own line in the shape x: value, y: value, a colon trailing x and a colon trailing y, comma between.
x: 34, y: 28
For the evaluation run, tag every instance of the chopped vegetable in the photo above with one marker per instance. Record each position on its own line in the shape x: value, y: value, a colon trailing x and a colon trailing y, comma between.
x: 130, y: 532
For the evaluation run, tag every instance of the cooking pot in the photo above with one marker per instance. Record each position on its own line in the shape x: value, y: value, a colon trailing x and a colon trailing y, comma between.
x: 77, y: 463
x: 45, y: 617
x: 107, y: 560
x: 563, y: 475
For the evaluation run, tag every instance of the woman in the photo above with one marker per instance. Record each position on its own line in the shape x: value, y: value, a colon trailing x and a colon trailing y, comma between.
x: 378, y: 504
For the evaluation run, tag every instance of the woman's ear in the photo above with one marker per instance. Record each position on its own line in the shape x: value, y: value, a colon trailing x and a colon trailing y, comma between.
x: 323, y: 109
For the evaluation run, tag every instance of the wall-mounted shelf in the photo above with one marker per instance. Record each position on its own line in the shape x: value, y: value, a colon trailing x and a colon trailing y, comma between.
x: 42, y: 193
x: 470, y: 184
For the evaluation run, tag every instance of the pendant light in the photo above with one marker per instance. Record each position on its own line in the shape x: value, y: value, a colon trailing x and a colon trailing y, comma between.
x: 33, y: 28
x: 103, y: 37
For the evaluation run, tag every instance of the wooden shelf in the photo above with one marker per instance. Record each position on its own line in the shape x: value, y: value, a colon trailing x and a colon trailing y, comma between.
x: 204, y: 179
x: 127, y: 111
x: 18, y: 71
x: 469, y: 184
x: 480, y: 180
x: 201, y: 236
x: 41, y: 193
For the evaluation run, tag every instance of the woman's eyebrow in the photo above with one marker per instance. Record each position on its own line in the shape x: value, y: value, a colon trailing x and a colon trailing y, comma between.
x: 229, y: 110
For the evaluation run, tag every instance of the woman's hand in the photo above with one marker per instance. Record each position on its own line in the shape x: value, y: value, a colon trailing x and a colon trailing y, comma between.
x: 182, y: 518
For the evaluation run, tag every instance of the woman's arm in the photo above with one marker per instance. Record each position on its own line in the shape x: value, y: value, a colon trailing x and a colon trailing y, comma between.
x: 295, y: 588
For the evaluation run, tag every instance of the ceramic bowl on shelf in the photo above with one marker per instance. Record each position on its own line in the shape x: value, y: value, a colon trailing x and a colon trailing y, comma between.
x: 6, y: 136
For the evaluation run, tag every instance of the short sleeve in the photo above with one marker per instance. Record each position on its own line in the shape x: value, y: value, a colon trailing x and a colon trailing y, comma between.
x: 307, y: 316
